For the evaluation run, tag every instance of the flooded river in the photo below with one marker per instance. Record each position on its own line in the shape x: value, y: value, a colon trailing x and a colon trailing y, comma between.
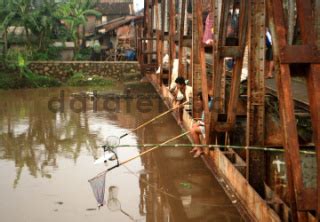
x: 47, y: 154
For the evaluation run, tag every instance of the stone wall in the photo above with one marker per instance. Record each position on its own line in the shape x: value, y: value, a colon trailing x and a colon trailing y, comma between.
x: 63, y: 70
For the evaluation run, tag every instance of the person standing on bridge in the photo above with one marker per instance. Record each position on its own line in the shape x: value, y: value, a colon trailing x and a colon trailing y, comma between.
x: 269, y: 55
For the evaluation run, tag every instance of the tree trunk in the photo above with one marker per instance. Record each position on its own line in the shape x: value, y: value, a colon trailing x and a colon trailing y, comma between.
x: 28, y: 35
x: 5, y: 39
x: 83, y: 36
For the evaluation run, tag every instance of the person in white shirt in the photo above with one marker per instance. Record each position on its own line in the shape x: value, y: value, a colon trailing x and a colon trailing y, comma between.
x: 182, y: 93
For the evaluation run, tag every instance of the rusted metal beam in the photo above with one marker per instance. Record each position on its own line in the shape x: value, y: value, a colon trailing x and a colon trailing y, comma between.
x: 317, y: 22
x: 255, y: 130
x: 231, y: 51
x: 163, y: 16
x: 172, y: 30
x: 181, y: 34
x: 158, y: 32
x: 204, y: 83
x: 309, y: 37
x: 218, y: 60
x: 147, y: 27
x: 309, y: 200
x: 196, y: 68
x: 286, y: 108
x: 236, y: 74
x: 151, y: 33
x: 300, y: 54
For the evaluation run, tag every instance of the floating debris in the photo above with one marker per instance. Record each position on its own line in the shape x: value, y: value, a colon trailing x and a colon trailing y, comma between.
x: 91, y: 209
x: 186, y: 185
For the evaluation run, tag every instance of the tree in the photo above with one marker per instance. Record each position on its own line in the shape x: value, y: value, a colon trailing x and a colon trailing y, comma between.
x: 74, y: 14
x: 47, y: 22
x: 18, y: 13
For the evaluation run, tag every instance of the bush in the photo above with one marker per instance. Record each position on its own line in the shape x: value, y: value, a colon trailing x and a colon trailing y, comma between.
x: 51, y: 53
x: 8, y: 80
x: 80, y: 79
x: 12, y: 80
x: 36, y: 80
x: 84, y: 54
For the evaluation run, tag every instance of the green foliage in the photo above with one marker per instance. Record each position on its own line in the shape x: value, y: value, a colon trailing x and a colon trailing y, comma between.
x: 17, y: 59
x: 35, y: 80
x: 84, y: 54
x: 10, y: 80
x: 42, y: 22
x: 73, y: 13
x: 50, y: 53
x: 80, y: 79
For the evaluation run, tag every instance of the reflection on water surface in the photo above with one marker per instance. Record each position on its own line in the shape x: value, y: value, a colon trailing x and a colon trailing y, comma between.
x: 46, y: 159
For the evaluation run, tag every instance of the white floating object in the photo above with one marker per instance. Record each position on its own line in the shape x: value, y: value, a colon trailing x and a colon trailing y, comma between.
x: 104, y: 158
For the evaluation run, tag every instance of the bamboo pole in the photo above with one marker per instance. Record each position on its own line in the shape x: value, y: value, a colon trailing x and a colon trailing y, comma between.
x: 153, y: 119
x: 154, y: 148
x: 142, y: 154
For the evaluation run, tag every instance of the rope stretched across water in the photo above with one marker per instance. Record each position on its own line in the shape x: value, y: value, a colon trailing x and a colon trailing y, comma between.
x: 212, y: 146
x: 156, y: 146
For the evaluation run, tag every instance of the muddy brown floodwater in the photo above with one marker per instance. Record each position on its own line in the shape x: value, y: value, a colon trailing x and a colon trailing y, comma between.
x: 46, y: 159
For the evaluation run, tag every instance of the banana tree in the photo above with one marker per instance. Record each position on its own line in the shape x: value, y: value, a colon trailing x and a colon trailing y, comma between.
x: 4, y: 24
x: 74, y: 14
x: 47, y: 22
x: 18, y: 13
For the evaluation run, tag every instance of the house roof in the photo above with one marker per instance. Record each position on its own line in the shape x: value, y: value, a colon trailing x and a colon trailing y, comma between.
x: 116, y: 8
x: 115, y: 23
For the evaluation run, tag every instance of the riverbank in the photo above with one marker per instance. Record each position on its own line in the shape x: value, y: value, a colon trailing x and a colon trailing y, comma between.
x: 12, y: 80
x: 68, y: 73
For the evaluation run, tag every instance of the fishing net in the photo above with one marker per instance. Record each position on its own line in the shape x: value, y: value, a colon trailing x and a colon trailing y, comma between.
x: 112, y: 142
x: 98, y: 187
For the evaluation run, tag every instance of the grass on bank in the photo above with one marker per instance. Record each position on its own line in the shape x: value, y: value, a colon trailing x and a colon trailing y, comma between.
x: 81, y: 79
x: 13, y: 80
